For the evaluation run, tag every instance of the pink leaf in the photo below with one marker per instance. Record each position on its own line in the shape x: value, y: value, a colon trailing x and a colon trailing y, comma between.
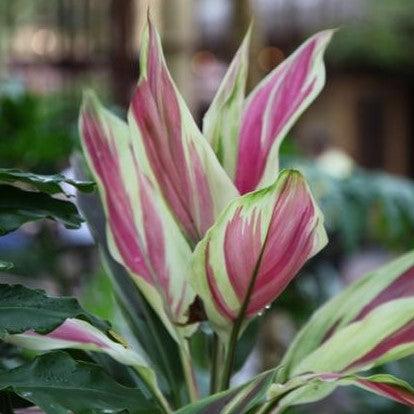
x: 273, y: 107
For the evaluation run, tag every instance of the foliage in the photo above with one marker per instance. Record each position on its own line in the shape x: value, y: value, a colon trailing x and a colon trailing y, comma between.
x: 34, y: 131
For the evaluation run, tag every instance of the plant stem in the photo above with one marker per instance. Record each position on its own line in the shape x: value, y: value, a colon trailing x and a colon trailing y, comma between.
x: 216, y: 361
x: 188, y: 373
x: 162, y: 401
x: 139, y: 379
x: 234, y: 336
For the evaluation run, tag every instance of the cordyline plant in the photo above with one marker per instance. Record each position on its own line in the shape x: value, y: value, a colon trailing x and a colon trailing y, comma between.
x: 211, y: 233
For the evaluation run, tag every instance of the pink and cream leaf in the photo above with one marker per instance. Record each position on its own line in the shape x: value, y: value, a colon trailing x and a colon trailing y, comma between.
x: 272, y: 109
x: 78, y: 334
x: 171, y: 149
x: 142, y: 233
x: 255, y: 249
x: 221, y: 122
x: 315, y: 387
x: 390, y: 282
x: 385, y: 334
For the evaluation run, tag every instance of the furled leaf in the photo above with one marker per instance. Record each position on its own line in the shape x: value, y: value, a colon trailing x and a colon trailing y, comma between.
x: 235, y: 401
x: 221, y: 122
x: 392, y: 281
x: 18, y: 207
x: 23, y: 309
x: 170, y: 147
x: 143, y: 321
x: 255, y: 248
x: 58, y: 384
x: 50, y: 184
x: 143, y: 235
x: 273, y: 107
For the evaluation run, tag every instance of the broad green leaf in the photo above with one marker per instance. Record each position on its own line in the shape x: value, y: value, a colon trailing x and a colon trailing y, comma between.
x: 58, y: 384
x: 23, y: 309
x: 142, y: 234
x: 221, y: 122
x: 391, y: 281
x: 272, y: 109
x: 5, y: 265
x: 18, y: 207
x: 255, y: 249
x: 50, y: 184
x: 171, y: 149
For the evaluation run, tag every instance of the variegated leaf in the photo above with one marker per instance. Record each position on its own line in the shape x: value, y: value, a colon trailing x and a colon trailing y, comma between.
x: 318, y: 387
x: 255, y: 248
x: 221, y: 122
x: 384, y: 334
x: 143, y: 235
x: 78, y: 334
x: 170, y: 147
x: 392, y: 281
x: 273, y: 107
x: 238, y: 400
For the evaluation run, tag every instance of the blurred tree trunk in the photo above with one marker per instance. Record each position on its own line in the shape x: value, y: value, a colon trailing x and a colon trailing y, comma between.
x: 123, y: 70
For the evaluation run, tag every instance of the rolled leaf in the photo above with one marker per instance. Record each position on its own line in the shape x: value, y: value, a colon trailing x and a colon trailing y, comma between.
x: 386, y: 333
x: 145, y: 324
x: 392, y: 281
x: 170, y: 147
x: 273, y: 107
x: 221, y: 122
x: 256, y: 247
x: 143, y: 235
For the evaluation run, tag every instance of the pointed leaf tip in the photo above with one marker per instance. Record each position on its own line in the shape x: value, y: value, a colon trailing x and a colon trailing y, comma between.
x: 273, y: 107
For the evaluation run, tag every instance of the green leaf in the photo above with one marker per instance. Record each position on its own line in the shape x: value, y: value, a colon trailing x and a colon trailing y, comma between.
x: 239, y: 400
x: 50, y: 184
x: 5, y: 265
x: 22, y: 309
x: 57, y: 384
x: 18, y: 207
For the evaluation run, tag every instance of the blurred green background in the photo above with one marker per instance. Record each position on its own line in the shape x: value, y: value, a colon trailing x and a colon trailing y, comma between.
x: 355, y: 144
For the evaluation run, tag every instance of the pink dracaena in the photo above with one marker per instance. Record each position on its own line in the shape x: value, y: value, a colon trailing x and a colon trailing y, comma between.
x: 171, y: 148
x: 255, y: 248
x: 143, y: 235
x: 246, y: 133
